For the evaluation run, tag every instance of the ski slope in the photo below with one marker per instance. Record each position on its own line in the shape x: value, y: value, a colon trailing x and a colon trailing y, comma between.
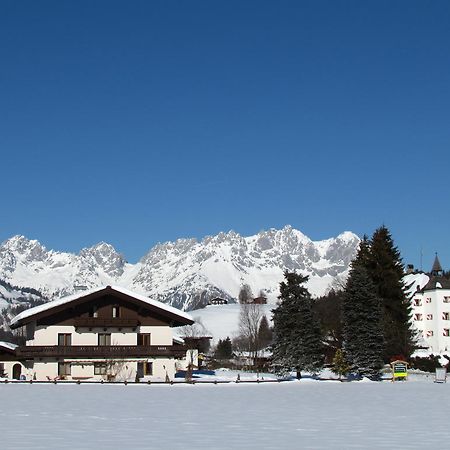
x: 222, y: 321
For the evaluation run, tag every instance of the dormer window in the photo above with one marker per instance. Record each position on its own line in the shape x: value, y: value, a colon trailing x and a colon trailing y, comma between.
x: 93, y: 312
x: 116, y: 311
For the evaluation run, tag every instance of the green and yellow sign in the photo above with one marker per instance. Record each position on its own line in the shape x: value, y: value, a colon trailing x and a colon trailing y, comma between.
x: 399, y: 370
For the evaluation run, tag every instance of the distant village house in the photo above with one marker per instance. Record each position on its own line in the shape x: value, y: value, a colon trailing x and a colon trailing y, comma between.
x: 218, y: 301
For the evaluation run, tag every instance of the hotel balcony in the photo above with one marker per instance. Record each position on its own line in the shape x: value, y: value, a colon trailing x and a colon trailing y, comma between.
x: 118, y: 322
x: 100, y: 351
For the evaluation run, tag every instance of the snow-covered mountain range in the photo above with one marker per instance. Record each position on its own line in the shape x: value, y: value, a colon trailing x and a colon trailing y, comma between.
x: 186, y: 273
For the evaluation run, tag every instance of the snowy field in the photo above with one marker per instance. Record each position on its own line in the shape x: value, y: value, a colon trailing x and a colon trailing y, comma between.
x: 223, y: 320
x: 290, y: 415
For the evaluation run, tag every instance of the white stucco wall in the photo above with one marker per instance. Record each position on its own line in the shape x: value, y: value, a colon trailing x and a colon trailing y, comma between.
x: 8, y: 368
x: 84, y: 336
x: 159, y: 335
x: 432, y: 302
x: 44, y: 369
x: 122, y: 369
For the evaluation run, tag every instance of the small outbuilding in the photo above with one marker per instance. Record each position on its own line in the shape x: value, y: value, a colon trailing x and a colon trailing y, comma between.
x: 9, y: 366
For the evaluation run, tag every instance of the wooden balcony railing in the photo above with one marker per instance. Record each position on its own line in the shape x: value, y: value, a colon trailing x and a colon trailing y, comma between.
x: 92, y: 322
x: 100, y: 351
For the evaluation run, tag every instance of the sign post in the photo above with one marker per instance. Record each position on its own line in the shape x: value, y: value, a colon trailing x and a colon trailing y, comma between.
x: 399, y: 370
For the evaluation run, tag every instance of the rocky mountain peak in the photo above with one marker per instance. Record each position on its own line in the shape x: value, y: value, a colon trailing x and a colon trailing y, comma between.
x: 106, y: 257
x: 186, y: 272
x: 20, y: 246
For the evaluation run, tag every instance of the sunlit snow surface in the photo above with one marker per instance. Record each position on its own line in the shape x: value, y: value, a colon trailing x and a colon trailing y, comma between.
x: 221, y: 321
x: 294, y: 415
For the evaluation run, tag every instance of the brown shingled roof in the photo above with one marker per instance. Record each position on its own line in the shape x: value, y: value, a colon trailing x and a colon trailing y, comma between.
x: 431, y: 285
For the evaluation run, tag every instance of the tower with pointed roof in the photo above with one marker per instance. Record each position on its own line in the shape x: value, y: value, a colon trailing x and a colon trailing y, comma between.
x: 436, y: 270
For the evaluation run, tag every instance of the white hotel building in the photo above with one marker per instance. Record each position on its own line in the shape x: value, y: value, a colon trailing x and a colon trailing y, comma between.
x: 431, y: 310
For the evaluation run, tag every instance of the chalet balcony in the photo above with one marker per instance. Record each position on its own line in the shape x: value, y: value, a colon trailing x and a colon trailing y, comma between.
x: 100, y: 351
x: 118, y: 322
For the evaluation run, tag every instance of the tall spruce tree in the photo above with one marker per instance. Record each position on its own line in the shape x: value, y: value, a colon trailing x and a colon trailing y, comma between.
x: 363, y: 257
x: 386, y: 270
x: 297, y: 340
x: 265, y: 334
x: 362, y: 323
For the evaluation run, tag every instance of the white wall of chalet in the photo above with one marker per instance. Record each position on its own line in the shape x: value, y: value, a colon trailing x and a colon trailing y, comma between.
x: 431, y: 317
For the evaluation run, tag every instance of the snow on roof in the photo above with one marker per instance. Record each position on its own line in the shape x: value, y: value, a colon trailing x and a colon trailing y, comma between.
x: 155, y: 303
x: 70, y: 298
x: 415, y: 281
x: 8, y: 345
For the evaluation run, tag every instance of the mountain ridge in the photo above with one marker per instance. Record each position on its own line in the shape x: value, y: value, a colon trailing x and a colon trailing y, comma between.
x: 187, y: 272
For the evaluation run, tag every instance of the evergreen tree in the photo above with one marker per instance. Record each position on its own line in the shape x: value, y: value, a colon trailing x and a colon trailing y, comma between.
x: 297, y: 340
x: 224, y: 349
x: 364, y: 257
x: 386, y: 270
x: 362, y: 323
x: 340, y: 364
x: 328, y: 311
x: 227, y: 348
x: 264, y: 333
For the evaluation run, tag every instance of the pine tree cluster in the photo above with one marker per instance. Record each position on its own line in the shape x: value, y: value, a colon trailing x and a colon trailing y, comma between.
x: 376, y: 311
x: 224, y: 349
x: 382, y: 260
x: 372, y: 326
x: 297, y: 344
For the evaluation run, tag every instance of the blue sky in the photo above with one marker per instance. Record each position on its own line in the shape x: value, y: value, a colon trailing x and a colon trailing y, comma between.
x: 140, y: 122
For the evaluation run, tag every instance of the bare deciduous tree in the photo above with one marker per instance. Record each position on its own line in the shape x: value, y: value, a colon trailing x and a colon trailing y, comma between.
x: 250, y: 316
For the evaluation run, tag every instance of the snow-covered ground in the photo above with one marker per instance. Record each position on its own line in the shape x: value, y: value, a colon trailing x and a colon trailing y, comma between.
x: 223, y: 320
x: 291, y: 415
